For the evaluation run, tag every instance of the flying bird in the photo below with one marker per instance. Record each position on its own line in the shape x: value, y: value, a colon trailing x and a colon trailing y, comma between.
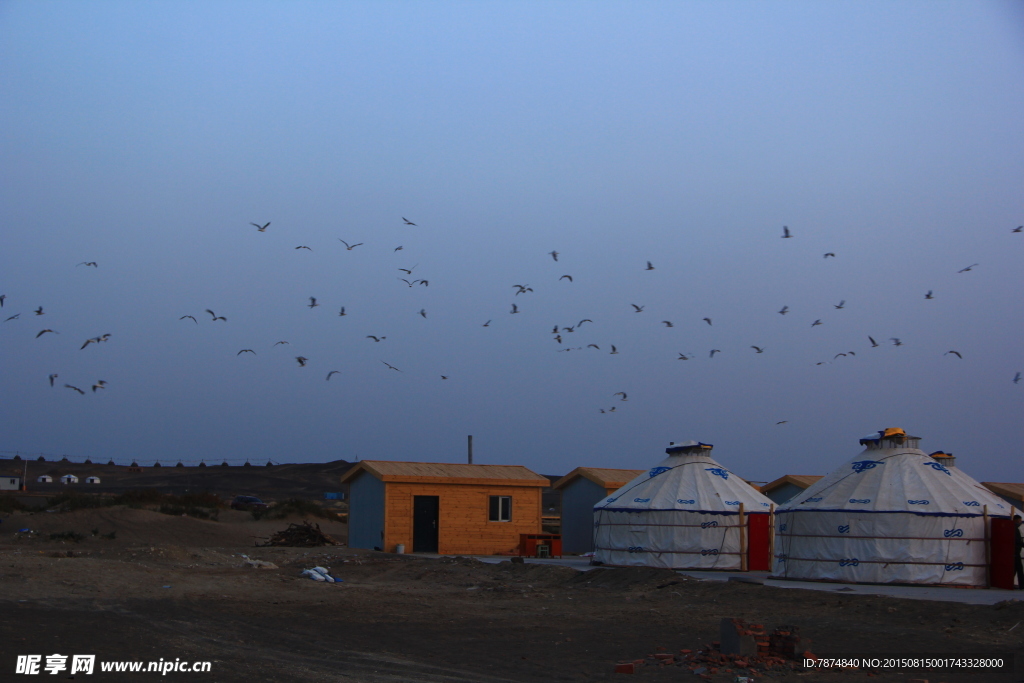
x: 391, y: 366
x: 612, y: 409
x: 638, y: 308
x: 100, y: 384
x: 42, y: 332
x: 280, y: 342
x: 444, y: 376
x: 816, y: 322
x: 683, y: 356
x: 713, y: 352
x: 558, y: 338
x: 620, y: 393
x: 785, y: 232
x: 566, y: 277
x: 837, y: 355
x: 782, y: 422
x: 189, y: 316
x: 1016, y: 378
x: 486, y: 324
x: 260, y: 228
x: 215, y: 316
x: 593, y: 346
x: 842, y: 304
x: 88, y: 263
x: 348, y: 247
x: 585, y: 320
x: 554, y: 254
x: 399, y: 248
x: 332, y: 372
x: 302, y: 246
x: 342, y: 311
x: 426, y: 283
x: 2, y: 298
x: 614, y: 350
x: 302, y: 361
x: 405, y: 281
x: 245, y: 351
x: 1019, y: 228
x: 408, y: 270
x: 955, y: 353
x: 39, y: 311
x: 567, y: 329
x: 76, y: 389
x: 830, y: 254
x: 667, y: 323
x: 523, y: 289
x: 649, y: 266
x: 14, y: 317
x: 757, y: 349
x: 929, y: 295
x: 423, y: 312
x: 376, y: 339
x: 707, y: 320
x: 407, y: 221
x: 964, y: 270
x: 784, y: 311
x: 312, y: 302
x: 515, y: 309
x: 53, y: 377
x: 896, y: 341
x: 873, y: 342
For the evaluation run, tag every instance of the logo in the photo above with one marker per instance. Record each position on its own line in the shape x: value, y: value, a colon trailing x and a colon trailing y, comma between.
x: 641, y: 500
x: 813, y: 500
x: 655, y: 471
x: 686, y: 502
x: 919, y: 502
x: 783, y: 527
x: 971, y: 503
x: 844, y: 528
x: 953, y: 533
x: 862, y: 465
x: 851, y: 562
x: 955, y: 567
x: 709, y: 551
x: 612, y: 499
x: 860, y: 500
x: 708, y: 525
x: 732, y: 502
x: 781, y: 558
x: 937, y: 467
x: 718, y: 472
x: 635, y: 549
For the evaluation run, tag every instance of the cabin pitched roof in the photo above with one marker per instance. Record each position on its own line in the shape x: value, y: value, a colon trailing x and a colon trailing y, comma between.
x: 1012, y: 491
x: 602, y: 476
x: 447, y: 473
x: 801, y: 480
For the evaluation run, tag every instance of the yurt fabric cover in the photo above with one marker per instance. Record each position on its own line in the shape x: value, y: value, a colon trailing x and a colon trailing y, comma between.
x: 892, y: 514
x: 682, y: 513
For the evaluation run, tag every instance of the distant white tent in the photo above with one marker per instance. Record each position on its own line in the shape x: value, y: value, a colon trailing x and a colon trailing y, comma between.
x: 92, y: 480
x: 69, y: 479
x: 892, y: 514
x: 688, y: 511
x: 44, y: 479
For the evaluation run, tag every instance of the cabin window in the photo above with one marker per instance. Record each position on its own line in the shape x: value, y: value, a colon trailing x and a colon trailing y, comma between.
x: 501, y: 509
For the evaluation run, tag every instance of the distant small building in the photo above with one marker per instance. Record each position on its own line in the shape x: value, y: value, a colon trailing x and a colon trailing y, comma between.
x: 44, y: 479
x: 581, y: 489
x: 788, y: 486
x: 1011, y: 493
x: 92, y: 480
x: 442, y: 508
x: 69, y: 479
x: 10, y: 483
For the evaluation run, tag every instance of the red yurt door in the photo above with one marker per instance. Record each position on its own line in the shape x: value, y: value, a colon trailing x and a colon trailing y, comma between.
x: 759, y: 543
x: 1001, y: 553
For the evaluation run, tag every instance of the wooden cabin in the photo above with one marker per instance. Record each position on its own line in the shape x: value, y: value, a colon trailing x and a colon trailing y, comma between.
x: 1011, y: 493
x: 450, y: 509
x: 787, y: 487
x: 581, y: 489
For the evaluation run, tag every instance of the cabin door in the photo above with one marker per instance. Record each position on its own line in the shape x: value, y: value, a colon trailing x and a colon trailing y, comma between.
x: 424, y: 524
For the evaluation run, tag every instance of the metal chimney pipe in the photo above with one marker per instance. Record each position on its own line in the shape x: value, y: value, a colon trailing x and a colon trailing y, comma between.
x: 470, y: 451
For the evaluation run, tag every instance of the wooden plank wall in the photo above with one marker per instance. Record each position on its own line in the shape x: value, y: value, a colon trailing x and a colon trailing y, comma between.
x: 463, y: 524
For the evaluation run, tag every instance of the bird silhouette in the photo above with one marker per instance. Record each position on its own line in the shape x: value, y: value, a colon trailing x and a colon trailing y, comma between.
x: 399, y: 248
x: 1016, y: 378
x: 391, y: 366
x: 896, y: 341
x: 426, y: 283
x: 830, y: 254
x: 842, y: 305
x: 376, y: 339
x: 408, y: 271
x: 342, y: 311
x: 667, y: 323
x: 75, y: 388
x: 964, y: 270
x: 713, y: 352
x: 758, y: 349
x: 929, y: 295
x: 568, y: 329
x: 523, y: 289
x: 707, y: 320
x: 312, y: 302
x: 53, y: 377
x: 554, y: 254
x: 837, y: 355
x: 42, y: 332
x: 245, y: 351
x: 785, y: 232
x: 638, y: 308
x: 816, y: 322
x: 39, y: 311
x: 558, y: 338
x: 873, y: 342
x: 955, y: 353
x: 782, y: 422
x: 683, y: 356
x: 191, y: 317
x: 332, y: 372
x: 784, y: 310
x: 350, y: 247
x: 407, y: 221
x: 3, y: 297
x: 1019, y: 228
x: 622, y: 394
x: 515, y: 309
x: 649, y: 266
x: 444, y: 376
x: 406, y: 281
x: 614, y: 350
x: 593, y: 346
x: 215, y: 316
x: 88, y: 263
x: 585, y: 320
x: 260, y: 228
x: 302, y: 360
x: 302, y: 246
x: 100, y: 384
x: 566, y: 277
x: 423, y: 312
x: 14, y: 317
x: 486, y: 324
x: 280, y: 342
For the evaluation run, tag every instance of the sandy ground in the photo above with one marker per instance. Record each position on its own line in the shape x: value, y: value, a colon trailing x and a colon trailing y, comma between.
x: 176, y: 587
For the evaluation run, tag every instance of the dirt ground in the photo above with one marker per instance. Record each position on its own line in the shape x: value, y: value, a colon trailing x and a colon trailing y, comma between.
x: 176, y: 587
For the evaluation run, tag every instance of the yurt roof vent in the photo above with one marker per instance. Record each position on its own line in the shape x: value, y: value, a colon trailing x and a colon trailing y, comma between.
x: 687, y: 447
x: 947, y: 459
x: 891, y: 437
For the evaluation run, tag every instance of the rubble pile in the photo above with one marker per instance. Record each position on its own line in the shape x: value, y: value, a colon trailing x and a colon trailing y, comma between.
x: 303, y: 535
x: 744, y: 650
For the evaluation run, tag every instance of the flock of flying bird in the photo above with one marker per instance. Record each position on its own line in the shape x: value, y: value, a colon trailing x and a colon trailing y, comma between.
x: 559, y: 333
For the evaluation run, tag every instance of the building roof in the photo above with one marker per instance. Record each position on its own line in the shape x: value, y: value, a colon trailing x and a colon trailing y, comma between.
x: 1012, y: 491
x: 447, y: 473
x: 608, y: 478
x: 801, y: 480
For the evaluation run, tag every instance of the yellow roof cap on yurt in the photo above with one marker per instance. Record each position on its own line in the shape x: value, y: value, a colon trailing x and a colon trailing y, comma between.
x: 892, y: 431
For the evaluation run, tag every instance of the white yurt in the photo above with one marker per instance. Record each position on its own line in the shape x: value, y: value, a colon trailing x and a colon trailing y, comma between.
x: 686, y: 512
x: 69, y: 479
x: 92, y: 480
x: 44, y: 479
x: 892, y: 514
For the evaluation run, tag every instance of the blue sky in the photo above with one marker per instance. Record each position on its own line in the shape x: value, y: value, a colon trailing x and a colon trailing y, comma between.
x: 147, y: 136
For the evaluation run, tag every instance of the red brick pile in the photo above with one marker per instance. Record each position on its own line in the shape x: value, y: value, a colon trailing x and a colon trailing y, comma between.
x: 749, y: 651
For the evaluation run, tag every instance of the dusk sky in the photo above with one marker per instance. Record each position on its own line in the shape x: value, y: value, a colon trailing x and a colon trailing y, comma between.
x: 147, y: 136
